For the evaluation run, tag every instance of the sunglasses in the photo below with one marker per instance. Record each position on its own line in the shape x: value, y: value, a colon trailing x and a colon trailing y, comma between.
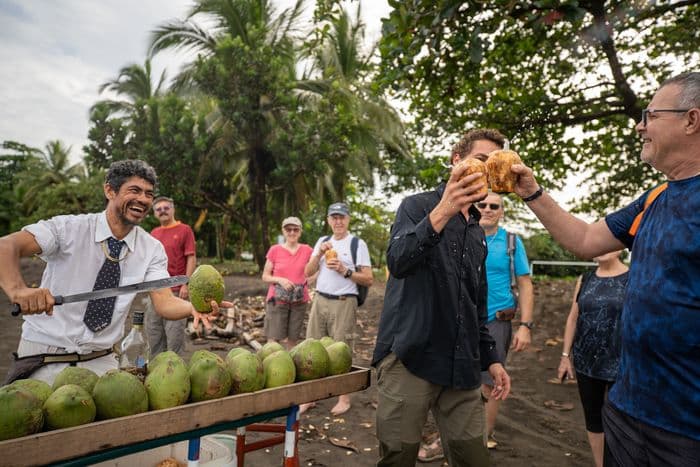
x: 163, y: 209
x: 292, y: 229
x: 492, y: 206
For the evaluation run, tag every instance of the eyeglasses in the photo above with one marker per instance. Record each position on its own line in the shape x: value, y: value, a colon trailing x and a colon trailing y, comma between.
x: 492, y: 206
x: 163, y: 209
x: 292, y: 229
x: 646, y: 112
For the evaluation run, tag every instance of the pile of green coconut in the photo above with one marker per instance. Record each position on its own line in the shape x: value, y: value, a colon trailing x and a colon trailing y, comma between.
x: 78, y: 396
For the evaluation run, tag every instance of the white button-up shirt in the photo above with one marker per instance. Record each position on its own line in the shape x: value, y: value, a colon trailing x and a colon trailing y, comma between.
x: 71, y: 247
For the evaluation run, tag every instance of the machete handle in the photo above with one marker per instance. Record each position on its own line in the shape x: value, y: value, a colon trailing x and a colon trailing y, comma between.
x: 16, y: 310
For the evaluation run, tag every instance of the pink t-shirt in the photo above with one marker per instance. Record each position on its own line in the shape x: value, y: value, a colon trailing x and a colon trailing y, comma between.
x: 290, y: 266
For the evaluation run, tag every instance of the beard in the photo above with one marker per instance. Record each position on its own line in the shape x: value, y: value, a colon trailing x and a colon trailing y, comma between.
x: 124, y: 217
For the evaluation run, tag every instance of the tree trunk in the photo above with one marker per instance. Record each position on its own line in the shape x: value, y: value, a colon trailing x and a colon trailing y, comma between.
x: 219, y: 240
x: 260, y: 240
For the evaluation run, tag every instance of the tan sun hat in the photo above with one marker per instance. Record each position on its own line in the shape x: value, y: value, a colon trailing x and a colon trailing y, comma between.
x: 291, y: 221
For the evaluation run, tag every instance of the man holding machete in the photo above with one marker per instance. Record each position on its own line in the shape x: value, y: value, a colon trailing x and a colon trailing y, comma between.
x: 88, y: 252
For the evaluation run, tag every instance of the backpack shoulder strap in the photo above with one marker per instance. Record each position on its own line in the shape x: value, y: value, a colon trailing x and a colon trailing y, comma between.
x: 354, y: 244
x: 653, y: 194
x: 325, y: 239
x: 511, y: 255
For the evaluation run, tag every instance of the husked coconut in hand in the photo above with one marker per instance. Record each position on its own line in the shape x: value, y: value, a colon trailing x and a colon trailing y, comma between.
x: 331, y: 254
x: 206, y: 284
x: 475, y: 165
x: 502, y: 180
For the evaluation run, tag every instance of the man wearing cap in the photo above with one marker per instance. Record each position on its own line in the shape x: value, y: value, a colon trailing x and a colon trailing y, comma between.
x: 178, y: 240
x: 288, y: 294
x: 335, y: 303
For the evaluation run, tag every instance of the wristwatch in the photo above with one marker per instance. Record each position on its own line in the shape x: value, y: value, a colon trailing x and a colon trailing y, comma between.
x: 348, y: 273
x: 527, y: 324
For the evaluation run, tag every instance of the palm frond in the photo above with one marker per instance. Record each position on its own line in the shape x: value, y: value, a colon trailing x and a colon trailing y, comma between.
x: 181, y: 35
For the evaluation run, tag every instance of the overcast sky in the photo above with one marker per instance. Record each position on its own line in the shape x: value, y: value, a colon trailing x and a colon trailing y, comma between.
x: 55, y: 55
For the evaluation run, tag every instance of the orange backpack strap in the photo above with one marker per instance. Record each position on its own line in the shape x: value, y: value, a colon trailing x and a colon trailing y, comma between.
x: 653, y: 194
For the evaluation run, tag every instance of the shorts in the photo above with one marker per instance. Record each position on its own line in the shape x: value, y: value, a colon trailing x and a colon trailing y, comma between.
x: 502, y: 333
x: 592, y: 392
x: 334, y: 318
x: 284, y: 320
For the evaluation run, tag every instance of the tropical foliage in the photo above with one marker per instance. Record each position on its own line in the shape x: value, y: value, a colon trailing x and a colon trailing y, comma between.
x: 283, y: 142
x: 565, y: 79
x: 271, y: 119
x: 266, y: 121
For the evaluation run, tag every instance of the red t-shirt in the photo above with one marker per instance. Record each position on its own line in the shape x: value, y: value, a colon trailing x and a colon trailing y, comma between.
x: 178, y: 241
x: 290, y: 266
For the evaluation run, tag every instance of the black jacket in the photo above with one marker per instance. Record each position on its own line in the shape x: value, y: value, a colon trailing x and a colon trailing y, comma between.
x: 434, y: 315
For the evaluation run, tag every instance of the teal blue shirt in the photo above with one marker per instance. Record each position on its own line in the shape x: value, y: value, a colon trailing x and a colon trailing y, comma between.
x: 498, y: 271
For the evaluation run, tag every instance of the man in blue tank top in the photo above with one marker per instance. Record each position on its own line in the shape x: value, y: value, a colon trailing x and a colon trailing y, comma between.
x: 653, y: 412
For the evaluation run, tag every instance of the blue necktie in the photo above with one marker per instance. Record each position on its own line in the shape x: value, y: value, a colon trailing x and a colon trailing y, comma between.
x: 99, y: 312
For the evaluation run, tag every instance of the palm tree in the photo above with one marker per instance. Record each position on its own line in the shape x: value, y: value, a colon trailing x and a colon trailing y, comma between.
x: 135, y: 85
x: 48, y: 168
x: 245, y: 54
x: 340, y: 74
x: 139, y: 101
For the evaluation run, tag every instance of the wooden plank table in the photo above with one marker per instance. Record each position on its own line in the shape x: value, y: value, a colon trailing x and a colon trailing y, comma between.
x: 108, y: 439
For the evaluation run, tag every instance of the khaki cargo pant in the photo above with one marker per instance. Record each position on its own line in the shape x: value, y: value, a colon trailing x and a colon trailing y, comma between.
x: 404, y: 401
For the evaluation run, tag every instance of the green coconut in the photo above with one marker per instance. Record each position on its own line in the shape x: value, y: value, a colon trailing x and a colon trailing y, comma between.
x: 37, y: 387
x: 168, y: 384
x: 340, y: 358
x: 209, y: 379
x: 233, y: 352
x: 310, y: 360
x: 69, y: 405
x: 164, y: 357
x: 279, y: 369
x: 204, y: 355
x: 268, y: 349
x: 21, y: 412
x: 326, y: 341
x: 247, y: 372
x: 205, y: 285
x: 119, y: 394
x: 83, y: 377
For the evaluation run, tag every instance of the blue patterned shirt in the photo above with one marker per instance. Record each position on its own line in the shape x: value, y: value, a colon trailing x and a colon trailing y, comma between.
x: 659, y: 377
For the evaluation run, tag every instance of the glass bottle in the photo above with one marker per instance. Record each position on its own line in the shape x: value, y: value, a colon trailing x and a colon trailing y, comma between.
x: 135, y: 351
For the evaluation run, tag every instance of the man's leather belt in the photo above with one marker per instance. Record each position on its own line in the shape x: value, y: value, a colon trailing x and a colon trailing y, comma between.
x: 75, y: 357
x: 24, y: 367
x: 336, y: 297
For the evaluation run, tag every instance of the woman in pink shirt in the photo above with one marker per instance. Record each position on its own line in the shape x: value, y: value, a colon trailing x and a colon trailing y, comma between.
x: 288, y: 294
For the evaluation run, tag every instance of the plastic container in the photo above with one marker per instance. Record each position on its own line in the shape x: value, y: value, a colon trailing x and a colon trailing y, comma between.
x: 214, y: 451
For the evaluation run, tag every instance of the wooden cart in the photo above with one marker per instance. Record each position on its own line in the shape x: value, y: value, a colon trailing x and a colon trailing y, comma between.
x: 109, y: 439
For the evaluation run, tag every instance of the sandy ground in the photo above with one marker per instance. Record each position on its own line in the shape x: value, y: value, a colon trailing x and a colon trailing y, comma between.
x: 529, y: 433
